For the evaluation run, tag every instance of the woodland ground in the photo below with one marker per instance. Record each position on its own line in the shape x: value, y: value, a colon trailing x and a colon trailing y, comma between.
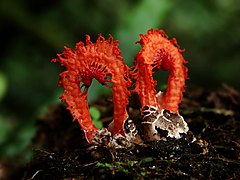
x: 60, y: 151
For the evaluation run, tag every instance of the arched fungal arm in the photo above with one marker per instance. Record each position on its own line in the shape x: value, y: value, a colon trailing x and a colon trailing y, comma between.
x: 102, y: 61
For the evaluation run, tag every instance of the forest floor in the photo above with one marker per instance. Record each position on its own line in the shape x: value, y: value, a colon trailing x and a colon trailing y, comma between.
x: 211, y: 149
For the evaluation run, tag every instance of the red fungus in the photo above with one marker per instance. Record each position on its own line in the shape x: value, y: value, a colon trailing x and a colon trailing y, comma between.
x: 159, y: 52
x: 102, y: 61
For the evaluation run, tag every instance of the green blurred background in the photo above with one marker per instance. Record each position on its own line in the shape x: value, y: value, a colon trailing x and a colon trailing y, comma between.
x: 33, y: 32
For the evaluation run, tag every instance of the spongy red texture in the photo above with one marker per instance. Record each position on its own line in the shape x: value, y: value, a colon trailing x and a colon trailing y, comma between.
x: 159, y: 52
x: 102, y: 61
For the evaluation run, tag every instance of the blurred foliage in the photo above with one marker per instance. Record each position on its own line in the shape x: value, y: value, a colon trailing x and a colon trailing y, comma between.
x: 14, y: 139
x: 32, y: 32
x: 95, y: 115
x: 210, y: 33
x: 3, y: 85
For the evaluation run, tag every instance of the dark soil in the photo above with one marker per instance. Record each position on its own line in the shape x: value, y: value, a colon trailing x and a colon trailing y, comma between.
x: 211, y: 150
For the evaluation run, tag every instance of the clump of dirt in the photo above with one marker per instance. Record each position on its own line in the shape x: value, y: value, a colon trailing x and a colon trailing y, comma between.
x: 211, y: 150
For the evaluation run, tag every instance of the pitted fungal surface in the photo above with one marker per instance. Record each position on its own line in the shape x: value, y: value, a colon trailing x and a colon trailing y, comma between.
x: 131, y: 132
x: 101, y: 138
x: 173, y: 123
x: 159, y: 126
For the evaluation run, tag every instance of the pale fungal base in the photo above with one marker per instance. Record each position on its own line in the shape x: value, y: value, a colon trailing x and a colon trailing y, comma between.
x: 149, y: 120
x: 163, y: 124
x: 156, y: 126
x: 131, y: 132
x: 103, y: 137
